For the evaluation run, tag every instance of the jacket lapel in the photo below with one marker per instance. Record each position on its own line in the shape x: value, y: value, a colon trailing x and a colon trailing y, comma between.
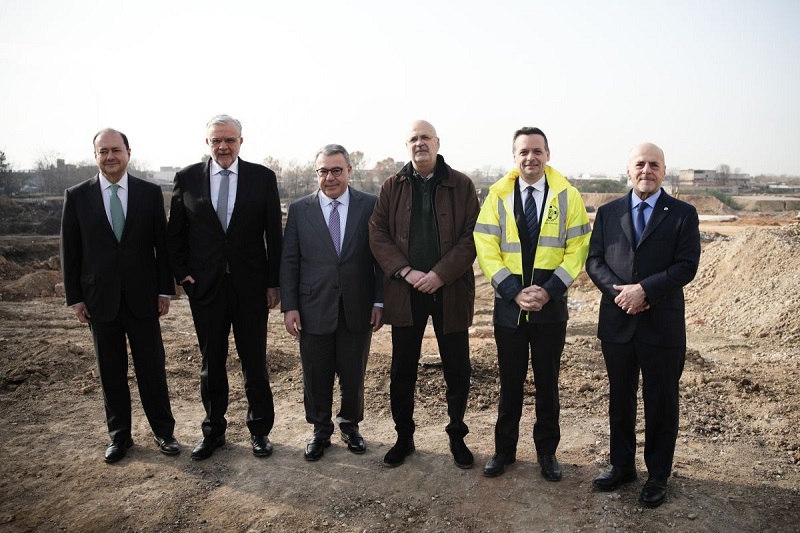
x: 97, y: 205
x: 243, y: 188
x: 625, y: 218
x: 354, y: 213
x: 660, y: 212
x: 317, y: 221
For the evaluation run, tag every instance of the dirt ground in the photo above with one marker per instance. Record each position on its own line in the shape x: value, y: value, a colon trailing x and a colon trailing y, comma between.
x: 737, y: 463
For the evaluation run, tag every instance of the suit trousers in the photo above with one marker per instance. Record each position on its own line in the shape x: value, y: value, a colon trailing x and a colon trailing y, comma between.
x: 213, y: 322
x: 406, y: 348
x: 661, y: 371
x: 147, y: 352
x: 545, y: 343
x: 343, y: 353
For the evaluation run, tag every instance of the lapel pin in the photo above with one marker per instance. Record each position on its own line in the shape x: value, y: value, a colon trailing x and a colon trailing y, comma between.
x: 666, y: 209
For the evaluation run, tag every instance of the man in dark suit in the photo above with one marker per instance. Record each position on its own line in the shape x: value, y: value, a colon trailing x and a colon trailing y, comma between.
x: 117, y: 280
x: 645, y: 248
x: 332, y: 297
x: 222, y: 213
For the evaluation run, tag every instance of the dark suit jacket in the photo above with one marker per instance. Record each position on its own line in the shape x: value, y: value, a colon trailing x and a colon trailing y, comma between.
x: 665, y: 260
x: 199, y: 247
x: 313, y: 277
x: 97, y: 269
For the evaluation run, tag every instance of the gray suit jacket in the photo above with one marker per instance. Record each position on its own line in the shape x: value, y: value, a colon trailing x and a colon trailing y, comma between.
x: 313, y: 277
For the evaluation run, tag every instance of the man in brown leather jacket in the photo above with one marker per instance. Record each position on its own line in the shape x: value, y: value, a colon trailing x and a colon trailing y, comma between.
x: 421, y: 236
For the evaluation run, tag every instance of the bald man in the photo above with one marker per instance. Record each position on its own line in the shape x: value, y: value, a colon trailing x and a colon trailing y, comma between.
x: 421, y: 235
x: 645, y: 248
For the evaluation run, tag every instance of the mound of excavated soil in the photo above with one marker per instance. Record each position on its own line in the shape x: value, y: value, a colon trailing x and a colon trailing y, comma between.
x: 749, y: 285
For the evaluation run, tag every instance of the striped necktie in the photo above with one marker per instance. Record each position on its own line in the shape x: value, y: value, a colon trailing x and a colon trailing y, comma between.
x: 531, y: 217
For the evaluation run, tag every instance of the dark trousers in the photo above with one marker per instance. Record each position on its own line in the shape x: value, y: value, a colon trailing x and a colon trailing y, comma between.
x: 213, y: 322
x: 661, y: 371
x: 147, y: 352
x: 546, y: 343
x: 406, y: 347
x: 343, y: 353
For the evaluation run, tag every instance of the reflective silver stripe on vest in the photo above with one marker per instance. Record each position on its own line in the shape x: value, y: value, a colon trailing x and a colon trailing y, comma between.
x: 500, y: 276
x: 577, y: 231
x: 505, y: 246
x: 489, y: 229
x: 564, y: 276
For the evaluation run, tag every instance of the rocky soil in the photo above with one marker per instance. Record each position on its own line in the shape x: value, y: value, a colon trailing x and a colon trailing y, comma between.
x: 737, y: 464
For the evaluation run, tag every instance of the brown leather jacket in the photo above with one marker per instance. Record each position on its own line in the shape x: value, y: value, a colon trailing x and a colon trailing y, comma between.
x: 457, y: 207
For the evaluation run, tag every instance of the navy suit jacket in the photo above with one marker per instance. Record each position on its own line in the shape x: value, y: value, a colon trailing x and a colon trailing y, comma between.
x: 250, y: 249
x: 97, y: 269
x: 665, y: 260
x: 313, y: 277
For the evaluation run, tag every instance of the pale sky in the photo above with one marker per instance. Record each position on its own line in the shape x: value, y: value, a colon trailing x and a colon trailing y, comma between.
x: 711, y: 82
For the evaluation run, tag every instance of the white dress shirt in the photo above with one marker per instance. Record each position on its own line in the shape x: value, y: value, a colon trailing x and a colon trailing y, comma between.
x: 122, y: 192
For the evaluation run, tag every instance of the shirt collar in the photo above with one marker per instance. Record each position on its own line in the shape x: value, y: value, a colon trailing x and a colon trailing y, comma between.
x: 105, y: 184
x: 344, y: 199
x: 651, y: 200
x: 539, y: 185
x: 215, y: 167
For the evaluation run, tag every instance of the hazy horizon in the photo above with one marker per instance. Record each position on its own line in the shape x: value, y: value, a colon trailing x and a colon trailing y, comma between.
x: 710, y: 82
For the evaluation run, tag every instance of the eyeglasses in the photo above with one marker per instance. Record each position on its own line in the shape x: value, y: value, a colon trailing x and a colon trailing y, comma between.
x: 424, y: 138
x: 335, y: 172
x: 227, y: 140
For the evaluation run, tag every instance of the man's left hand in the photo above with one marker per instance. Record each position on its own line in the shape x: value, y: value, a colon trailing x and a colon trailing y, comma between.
x: 163, y: 305
x: 273, y: 297
x: 429, y: 283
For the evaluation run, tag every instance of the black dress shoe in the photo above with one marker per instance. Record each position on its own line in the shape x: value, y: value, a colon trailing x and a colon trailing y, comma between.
x: 615, y: 477
x: 398, y: 453
x: 262, y: 447
x: 462, y: 457
x: 653, y: 492
x: 116, y: 450
x: 316, y: 447
x: 355, y: 442
x: 206, y: 448
x: 167, y: 445
x: 551, y: 470
x: 497, y: 464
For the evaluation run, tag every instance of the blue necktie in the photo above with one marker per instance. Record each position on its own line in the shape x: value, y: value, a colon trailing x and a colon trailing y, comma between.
x: 531, y: 218
x: 222, y: 198
x: 334, y: 226
x: 117, y: 215
x: 638, y: 222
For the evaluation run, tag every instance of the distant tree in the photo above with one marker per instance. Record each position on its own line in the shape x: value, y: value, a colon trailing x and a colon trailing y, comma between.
x: 382, y: 170
x: 299, y: 179
x: 359, y: 163
x: 723, y: 173
x: 5, y: 174
x: 274, y: 164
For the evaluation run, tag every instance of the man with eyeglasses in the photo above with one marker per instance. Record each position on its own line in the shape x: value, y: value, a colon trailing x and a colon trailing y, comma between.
x: 222, y: 213
x: 421, y: 236
x: 331, y: 297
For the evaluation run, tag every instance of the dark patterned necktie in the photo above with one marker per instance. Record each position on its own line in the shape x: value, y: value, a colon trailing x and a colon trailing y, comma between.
x: 334, y: 227
x: 531, y: 218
